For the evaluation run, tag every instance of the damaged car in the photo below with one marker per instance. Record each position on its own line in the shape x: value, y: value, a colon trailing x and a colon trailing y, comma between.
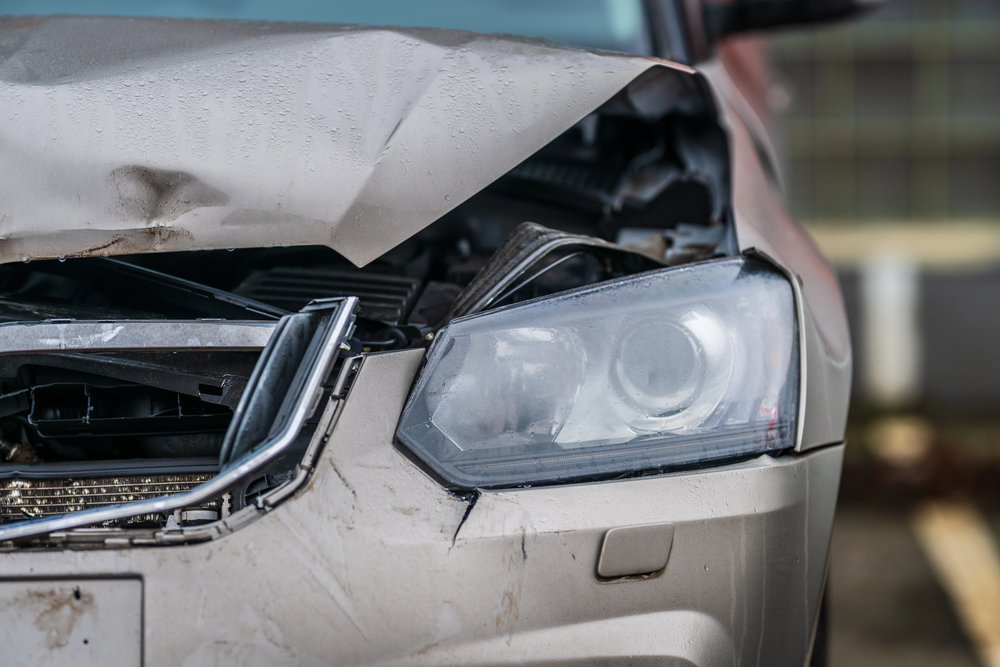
x: 329, y: 343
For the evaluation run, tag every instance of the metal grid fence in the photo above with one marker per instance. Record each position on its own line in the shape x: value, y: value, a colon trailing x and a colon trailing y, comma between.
x: 894, y: 116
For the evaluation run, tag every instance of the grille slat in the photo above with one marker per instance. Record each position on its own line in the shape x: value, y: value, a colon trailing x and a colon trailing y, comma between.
x: 22, y: 499
x: 383, y: 297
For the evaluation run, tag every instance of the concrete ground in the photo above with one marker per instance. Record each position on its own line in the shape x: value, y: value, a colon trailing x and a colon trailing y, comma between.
x: 886, y: 607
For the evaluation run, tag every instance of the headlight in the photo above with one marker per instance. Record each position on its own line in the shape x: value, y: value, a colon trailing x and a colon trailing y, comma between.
x: 658, y: 370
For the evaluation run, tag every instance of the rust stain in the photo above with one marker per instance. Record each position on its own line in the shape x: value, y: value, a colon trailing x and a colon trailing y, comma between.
x: 510, y: 601
x: 136, y: 241
x: 55, y: 611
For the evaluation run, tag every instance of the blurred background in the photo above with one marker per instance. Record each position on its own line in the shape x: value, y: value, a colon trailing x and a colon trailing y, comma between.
x: 889, y: 132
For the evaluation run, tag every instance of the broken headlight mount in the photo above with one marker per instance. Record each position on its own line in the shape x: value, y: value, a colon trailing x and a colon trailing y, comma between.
x: 281, y: 394
x: 655, y: 371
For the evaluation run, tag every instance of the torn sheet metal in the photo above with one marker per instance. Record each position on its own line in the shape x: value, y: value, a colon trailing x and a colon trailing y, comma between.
x: 129, y: 135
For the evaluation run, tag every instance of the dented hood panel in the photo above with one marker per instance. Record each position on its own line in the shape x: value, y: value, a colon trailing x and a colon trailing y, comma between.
x: 140, y: 135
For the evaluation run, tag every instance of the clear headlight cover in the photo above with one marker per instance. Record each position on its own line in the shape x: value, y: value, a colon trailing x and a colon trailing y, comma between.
x: 653, y: 371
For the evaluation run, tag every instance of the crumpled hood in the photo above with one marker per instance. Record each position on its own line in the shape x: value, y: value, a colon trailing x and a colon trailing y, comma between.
x: 139, y: 135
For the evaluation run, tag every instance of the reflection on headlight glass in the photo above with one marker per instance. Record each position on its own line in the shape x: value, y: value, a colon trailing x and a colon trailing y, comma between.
x: 662, y: 369
x: 540, y: 362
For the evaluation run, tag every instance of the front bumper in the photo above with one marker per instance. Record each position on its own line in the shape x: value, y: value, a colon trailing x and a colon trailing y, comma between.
x: 374, y: 563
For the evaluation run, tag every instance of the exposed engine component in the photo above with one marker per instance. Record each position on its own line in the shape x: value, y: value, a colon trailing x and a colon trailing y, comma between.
x: 125, y: 421
x: 212, y: 376
x: 20, y: 452
x: 118, y: 390
x: 679, y: 245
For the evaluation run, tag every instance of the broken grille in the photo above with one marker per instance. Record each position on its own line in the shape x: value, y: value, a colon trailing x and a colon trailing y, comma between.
x: 23, y: 499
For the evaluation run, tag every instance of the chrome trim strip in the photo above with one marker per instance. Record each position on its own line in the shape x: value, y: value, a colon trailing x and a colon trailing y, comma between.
x: 56, y: 335
x: 270, y: 448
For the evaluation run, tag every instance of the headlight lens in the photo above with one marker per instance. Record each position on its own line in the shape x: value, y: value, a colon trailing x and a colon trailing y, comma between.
x: 652, y: 371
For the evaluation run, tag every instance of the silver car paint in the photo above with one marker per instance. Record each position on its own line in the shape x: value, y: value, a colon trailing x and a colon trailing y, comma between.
x: 372, y: 563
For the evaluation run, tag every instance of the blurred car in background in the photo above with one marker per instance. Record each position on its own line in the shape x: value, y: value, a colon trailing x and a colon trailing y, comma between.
x: 421, y: 345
